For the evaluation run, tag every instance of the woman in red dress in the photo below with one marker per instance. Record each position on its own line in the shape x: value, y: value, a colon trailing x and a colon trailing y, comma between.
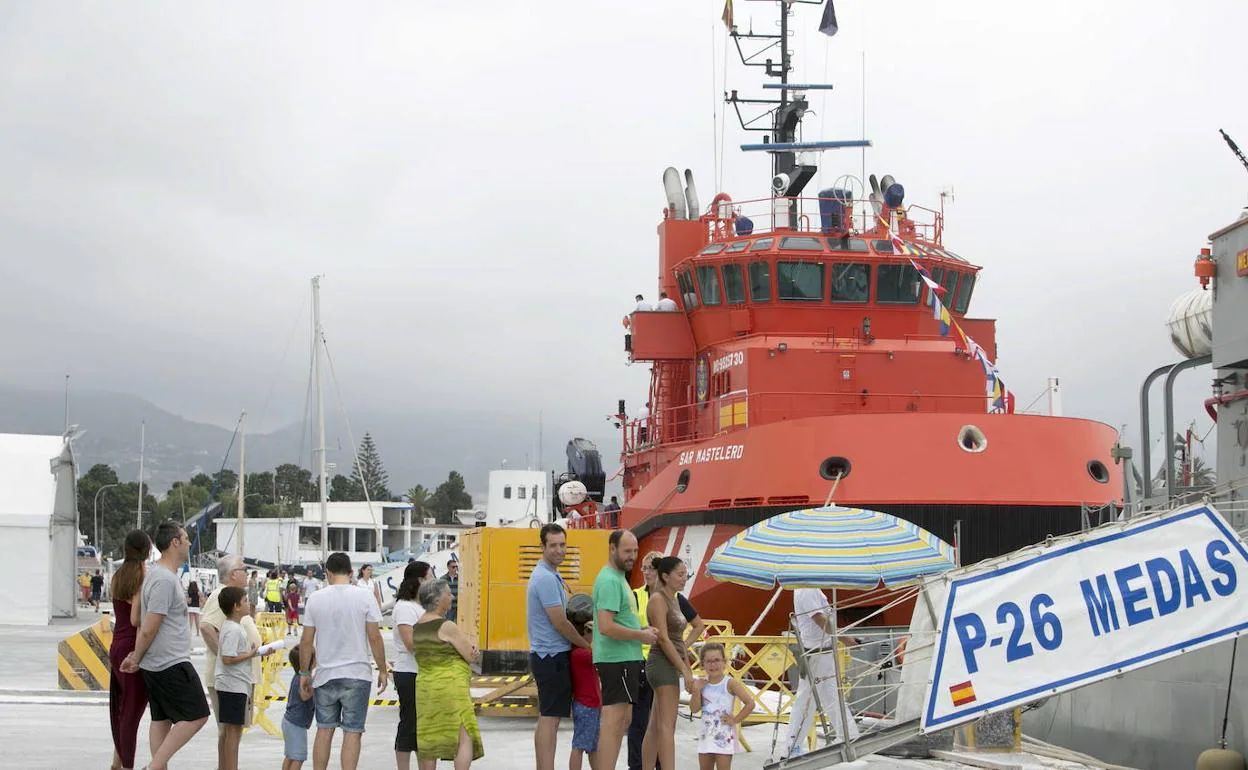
x: 127, y: 695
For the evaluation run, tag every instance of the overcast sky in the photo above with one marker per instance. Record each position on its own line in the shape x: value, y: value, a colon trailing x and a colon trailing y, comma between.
x: 480, y: 182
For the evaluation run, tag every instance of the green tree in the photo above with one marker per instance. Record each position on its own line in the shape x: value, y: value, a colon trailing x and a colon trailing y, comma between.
x: 226, y: 479
x: 202, y: 480
x: 294, y: 484
x: 341, y: 490
x: 450, y: 497
x: 369, y: 474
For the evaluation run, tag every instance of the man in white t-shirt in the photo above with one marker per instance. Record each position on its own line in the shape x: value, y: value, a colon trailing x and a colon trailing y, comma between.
x: 815, y: 620
x: 666, y: 303
x: 341, y: 624
x: 642, y: 305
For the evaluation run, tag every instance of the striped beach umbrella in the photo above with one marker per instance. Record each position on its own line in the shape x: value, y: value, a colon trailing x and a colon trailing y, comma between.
x: 832, y: 547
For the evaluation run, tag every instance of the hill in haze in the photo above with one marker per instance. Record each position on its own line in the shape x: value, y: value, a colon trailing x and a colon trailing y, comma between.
x: 417, y: 448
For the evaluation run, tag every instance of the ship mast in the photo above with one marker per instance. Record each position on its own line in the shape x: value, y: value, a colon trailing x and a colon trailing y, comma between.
x: 788, y: 177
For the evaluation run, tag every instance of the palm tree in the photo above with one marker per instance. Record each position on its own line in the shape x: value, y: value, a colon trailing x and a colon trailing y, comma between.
x: 1200, y: 474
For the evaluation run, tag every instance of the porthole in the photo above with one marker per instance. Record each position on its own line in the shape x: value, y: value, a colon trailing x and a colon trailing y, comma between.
x: 835, y: 467
x: 972, y: 439
x: 682, y: 481
x: 1098, y: 471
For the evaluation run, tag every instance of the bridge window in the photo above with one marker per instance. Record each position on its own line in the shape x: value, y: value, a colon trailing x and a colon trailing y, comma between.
x: 708, y: 284
x: 883, y: 247
x: 738, y: 246
x: 965, y: 288
x: 801, y: 243
x: 897, y: 285
x: 507, y: 492
x: 937, y: 273
x: 848, y: 244
x: 950, y: 284
x: 799, y: 281
x: 714, y: 248
x: 762, y: 244
x: 520, y: 492
x: 851, y: 282
x: 684, y: 282
x: 760, y: 282
x: 734, y: 284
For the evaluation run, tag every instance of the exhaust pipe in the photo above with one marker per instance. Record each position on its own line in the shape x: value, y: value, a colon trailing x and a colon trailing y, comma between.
x: 675, y: 193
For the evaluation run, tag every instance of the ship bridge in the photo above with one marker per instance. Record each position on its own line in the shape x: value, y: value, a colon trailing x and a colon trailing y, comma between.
x: 829, y: 317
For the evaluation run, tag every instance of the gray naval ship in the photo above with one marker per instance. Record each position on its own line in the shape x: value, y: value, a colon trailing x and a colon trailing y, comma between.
x: 1162, y: 717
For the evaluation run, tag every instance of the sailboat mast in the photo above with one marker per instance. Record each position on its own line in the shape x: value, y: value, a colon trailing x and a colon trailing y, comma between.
x: 138, y: 515
x: 242, y: 480
x: 322, y: 473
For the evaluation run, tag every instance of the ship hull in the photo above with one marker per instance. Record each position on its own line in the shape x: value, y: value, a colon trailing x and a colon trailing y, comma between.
x: 1030, y: 480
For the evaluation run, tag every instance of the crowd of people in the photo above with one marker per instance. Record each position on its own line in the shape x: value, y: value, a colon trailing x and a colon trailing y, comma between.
x: 616, y: 677
x: 615, y: 663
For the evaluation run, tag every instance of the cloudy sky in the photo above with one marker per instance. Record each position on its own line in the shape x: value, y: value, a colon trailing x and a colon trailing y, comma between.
x: 479, y: 183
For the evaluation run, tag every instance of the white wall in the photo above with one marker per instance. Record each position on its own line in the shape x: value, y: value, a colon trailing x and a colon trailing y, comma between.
x: 28, y: 492
x: 503, y: 509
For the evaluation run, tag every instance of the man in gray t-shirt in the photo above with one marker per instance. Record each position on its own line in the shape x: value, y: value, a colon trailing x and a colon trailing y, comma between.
x: 162, y: 651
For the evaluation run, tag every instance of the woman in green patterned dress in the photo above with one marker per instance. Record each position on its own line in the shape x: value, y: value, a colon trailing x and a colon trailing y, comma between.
x: 447, y: 728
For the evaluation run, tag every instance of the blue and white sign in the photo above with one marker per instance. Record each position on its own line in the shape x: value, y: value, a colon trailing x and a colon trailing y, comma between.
x: 1085, y: 608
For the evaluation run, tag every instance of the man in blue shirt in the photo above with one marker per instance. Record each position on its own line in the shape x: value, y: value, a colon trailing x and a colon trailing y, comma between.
x: 551, y: 636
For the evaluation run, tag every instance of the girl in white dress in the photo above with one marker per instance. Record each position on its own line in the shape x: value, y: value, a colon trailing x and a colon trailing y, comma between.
x: 716, y: 696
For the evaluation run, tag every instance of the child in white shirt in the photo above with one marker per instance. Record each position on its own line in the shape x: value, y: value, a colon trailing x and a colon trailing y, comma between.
x: 233, y: 676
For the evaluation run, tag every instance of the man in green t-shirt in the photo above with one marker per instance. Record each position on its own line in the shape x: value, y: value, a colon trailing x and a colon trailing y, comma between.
x: 618, y: 636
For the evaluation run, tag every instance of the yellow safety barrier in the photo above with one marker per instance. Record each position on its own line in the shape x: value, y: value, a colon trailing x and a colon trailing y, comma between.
x: 272, y: 626
x: 82, y: 659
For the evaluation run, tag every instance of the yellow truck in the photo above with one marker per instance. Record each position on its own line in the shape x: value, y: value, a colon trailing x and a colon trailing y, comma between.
x: 495, y: 564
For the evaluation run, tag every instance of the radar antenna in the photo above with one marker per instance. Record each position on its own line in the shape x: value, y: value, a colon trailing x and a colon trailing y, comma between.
x: 1234, y: 148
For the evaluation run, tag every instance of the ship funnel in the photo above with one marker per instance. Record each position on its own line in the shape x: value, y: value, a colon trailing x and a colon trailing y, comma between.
x: 691, y: 195
x: 675, y: 193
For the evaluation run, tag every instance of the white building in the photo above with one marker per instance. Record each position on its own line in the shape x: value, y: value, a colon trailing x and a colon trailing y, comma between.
x: 365, y: 532
x: 517, y: 498
x: 38, y: 529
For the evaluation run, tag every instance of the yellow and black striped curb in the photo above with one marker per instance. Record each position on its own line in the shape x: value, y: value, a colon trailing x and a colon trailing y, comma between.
x: 82, y: 659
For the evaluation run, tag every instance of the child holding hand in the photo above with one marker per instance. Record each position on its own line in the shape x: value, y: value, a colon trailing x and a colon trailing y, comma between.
x: 716, y: 696
x: 586, y: 703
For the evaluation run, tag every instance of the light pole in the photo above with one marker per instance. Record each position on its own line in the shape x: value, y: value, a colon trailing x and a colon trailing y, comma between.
x: 99, y: 542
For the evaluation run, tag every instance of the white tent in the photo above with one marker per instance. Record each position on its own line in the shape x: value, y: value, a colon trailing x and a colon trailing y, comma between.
x: 38, y: 529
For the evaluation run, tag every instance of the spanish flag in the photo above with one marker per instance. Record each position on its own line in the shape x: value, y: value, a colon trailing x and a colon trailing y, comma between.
x: 962, y: 694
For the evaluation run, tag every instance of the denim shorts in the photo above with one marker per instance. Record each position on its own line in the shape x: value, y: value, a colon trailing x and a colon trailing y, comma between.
x: 585, y: 721
x: 295, y: 739
x: 342, y: 703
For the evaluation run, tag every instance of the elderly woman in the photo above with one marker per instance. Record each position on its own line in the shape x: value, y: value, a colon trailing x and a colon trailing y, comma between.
x: 447, y: 726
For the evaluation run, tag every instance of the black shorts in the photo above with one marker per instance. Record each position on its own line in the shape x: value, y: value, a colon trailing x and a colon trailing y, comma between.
x: 553, y: 675
x: 621, y: 682
x: 232, y: 708
x: 176, y: 694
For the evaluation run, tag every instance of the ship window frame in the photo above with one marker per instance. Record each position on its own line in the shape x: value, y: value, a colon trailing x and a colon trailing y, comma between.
x: 507, y: 492
x: 852, y: 245
x: 866, y: 289
x: 965, y: 289
x: 764, y: 284
x: 762, y: 244
x: 715, y: 297
x: 950, y: 287
x: 739, y: 246
x: 937, y: 273
x: 724, y: 283
x: 801, y: 243
x: 883, y: 247
x: 880, y: 278
x: 822, y: 280
x: 714, y: 248
x: 684, y: 284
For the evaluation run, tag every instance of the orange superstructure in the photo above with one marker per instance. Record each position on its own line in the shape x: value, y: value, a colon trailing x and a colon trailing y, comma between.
x: 806, y: 361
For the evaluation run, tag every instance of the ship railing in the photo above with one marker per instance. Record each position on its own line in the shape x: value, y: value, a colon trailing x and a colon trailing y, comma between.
x: 762, y: 216
x: 598, y: 520
x: 723, y: 414
x: 1230, y: 498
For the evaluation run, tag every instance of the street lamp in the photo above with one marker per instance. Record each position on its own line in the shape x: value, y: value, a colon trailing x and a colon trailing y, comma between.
x: 99, y: 542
